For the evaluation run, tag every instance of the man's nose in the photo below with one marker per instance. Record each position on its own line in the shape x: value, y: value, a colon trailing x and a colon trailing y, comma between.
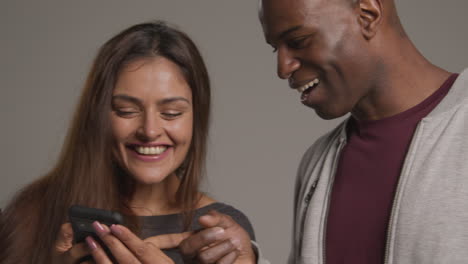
x: 287, y: 64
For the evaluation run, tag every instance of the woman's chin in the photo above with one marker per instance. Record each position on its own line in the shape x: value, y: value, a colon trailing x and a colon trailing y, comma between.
x: 149, y: 177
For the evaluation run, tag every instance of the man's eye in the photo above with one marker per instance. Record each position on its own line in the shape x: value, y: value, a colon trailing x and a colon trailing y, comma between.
x: 297, y: 43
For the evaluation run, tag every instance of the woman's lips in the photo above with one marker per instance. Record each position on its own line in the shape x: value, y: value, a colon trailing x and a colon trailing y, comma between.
x: 149, y: 153
x: 151, y: 150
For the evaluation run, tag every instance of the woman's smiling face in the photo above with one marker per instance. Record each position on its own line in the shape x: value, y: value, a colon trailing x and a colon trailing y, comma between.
x: 152, y: 119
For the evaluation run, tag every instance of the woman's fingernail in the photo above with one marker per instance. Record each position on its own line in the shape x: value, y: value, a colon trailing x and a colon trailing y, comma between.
x: 116, y: 229
x: 91, y: 243
x: 99, y: 228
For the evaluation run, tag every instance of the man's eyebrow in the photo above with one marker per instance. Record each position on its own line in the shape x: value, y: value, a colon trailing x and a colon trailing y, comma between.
x: 289, y: 31
x: 284, y: 33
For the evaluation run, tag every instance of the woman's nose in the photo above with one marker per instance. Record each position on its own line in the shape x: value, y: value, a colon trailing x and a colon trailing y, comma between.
x: 151, y: 128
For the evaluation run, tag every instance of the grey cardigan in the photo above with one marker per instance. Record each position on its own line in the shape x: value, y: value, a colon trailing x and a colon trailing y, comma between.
x: 429, y: 219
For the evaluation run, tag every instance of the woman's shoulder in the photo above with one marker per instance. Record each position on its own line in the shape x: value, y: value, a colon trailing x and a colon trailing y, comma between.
x: 236, y: 214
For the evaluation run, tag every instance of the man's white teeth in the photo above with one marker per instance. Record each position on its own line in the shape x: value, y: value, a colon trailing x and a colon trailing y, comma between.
x: 307, y: 85
x: 151, y: 150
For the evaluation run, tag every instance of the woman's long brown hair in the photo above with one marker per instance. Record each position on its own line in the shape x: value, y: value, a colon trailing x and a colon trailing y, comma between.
x: 86, y: 172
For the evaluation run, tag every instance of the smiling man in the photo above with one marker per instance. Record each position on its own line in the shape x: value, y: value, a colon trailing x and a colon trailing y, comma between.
x: 389, y: 184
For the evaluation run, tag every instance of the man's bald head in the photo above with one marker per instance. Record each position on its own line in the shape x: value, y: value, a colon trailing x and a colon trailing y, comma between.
x: 341, y: 44
x: 390, y: 17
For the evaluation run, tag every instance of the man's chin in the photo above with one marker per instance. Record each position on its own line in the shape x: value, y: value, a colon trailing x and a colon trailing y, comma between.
x: 327, y: 114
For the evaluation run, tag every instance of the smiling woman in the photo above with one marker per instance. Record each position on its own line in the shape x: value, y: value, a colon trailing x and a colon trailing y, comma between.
x: 136, y: 146
x: 152, y: 119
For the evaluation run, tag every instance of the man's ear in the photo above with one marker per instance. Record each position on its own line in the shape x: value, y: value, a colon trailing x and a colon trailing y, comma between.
x: 370, y: 16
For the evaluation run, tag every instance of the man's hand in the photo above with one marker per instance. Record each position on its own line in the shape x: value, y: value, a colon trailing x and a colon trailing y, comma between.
x: 223, y: 241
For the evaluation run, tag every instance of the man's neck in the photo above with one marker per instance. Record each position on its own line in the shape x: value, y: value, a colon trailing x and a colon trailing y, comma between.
x: 406, y: 79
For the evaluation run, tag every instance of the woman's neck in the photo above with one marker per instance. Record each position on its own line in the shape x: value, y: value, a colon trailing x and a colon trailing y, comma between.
x: 156, y: 199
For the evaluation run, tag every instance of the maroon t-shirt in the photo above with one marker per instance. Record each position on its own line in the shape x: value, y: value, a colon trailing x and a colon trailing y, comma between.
x: 365, y: 183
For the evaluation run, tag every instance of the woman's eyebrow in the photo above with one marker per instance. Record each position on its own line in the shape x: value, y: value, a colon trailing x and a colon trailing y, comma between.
x: 137, y: 101
x: 127, y: 98
x: 172, y: 99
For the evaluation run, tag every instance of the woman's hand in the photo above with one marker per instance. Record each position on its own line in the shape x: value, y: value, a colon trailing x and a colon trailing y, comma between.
x: 127, y: 248
x: 223, y: 241
x: 64, y: 250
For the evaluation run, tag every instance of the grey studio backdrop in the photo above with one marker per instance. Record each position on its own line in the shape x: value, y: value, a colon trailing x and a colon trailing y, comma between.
x: 259, y: 128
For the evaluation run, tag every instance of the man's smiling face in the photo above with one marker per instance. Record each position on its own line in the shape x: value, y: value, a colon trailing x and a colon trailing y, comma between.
x: 321, y: 51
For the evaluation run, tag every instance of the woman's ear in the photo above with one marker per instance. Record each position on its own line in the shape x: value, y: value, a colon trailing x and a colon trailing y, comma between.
x: 370, y: 16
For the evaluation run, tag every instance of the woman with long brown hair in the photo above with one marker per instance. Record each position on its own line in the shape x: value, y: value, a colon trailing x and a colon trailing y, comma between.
x: 137, y: 146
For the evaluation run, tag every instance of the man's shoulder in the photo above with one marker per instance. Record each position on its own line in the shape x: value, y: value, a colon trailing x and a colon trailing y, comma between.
x: 331, y: 137
x: 455, y: 99
x: 322, y: 146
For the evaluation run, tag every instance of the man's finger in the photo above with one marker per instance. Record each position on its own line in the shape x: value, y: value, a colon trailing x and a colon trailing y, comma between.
x: 214, y: 218
x: 190, y: 246
x: 168, y: 241
x: 229, y: 258
x: 217, y: 252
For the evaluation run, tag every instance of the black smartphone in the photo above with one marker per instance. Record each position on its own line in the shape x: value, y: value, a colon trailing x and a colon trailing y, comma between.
x: 82, y: 219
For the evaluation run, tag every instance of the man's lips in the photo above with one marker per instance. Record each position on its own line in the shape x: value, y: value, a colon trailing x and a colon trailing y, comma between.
x: 303, y: 86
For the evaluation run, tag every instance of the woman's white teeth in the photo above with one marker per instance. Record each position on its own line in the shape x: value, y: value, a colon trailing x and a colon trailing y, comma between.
x: 151, y: 150
x: 307, y: 85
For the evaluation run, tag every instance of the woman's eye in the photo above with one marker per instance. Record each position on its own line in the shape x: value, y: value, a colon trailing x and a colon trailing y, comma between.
x: 171, y: 115
x: 126, y: 113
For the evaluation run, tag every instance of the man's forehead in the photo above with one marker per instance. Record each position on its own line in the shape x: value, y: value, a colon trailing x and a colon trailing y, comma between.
x: 280, y: 7
x: 269, y: 9
x: 278, y: 16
